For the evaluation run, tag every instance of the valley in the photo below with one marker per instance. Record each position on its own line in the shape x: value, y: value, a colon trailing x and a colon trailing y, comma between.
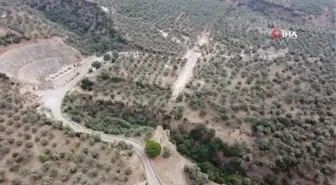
x: 167, y: 92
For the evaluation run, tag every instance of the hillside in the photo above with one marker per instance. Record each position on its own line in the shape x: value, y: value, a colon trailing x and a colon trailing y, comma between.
x: 229, y: 103
x: 37, y: 150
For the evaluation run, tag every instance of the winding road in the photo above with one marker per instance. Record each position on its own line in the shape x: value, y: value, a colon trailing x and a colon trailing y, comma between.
x: 52, y: 99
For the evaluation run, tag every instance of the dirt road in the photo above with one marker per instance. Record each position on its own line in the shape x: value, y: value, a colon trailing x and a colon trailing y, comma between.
x: 187, y: 72
x: 52, y: 99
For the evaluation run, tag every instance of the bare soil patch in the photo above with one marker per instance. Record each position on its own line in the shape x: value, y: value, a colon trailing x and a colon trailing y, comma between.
x: 232, y: 135
x: 3, y: 32
x: 32, y: 62
x: 170, y: 170
x: 187, y: 72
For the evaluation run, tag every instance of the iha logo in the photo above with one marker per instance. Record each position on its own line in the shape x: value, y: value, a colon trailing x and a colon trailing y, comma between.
x: 277, y: 34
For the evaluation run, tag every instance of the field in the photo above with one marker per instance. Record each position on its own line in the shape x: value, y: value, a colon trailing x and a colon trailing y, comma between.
x: 309, y: 6
x: 22, y: 25
x: 36, y: 150
x: 266, y: 100
x: 133, y: 95
x: 237, y: 106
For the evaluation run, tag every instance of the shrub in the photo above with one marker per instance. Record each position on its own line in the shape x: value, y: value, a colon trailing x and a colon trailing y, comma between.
x: 166, y: 152
x: 96, y: 64
x: 195, y: 175
x: 47, y: 181
x: 86, y: 84
x: 2, y: 176
x: 93, y: 173
x: 128, y: 171
x: 96, y: 137
x: 95, y: 154
x: 16, y: 181
x: 72, y: 168
x: 115, y: 54
x: 107, y: 57
x: 44, y: 142
x: 152, y: 148
x: 2, y: 128
x: 36, y: 174
x: 65, y: 176
x: 14, y: 168
x: 23, y: 172
x: 53, y: 172
x: 29, y: 144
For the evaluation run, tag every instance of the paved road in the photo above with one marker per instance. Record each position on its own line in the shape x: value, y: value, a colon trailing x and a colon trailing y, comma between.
x: 53, y: 99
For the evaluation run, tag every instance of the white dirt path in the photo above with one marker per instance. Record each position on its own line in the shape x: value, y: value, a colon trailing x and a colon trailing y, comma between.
x: 187, y: 72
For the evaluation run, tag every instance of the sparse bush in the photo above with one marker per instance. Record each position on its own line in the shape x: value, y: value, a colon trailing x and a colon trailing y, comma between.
x: 166, y: 152
x: 54, y: 173
x: 107, y: 57
x: 96, y: 137
x: 65, y: 176
x: 29, y: 144
x: 72, y: 168
x: 2, y: 176
x: 87, y: 84
x: 128, y: 171
x: 47, y: 181
x: 93, y: 173
x: 16, y: 181
x: 96, y: 64
x: 195, y: 175
x: 36, y: 174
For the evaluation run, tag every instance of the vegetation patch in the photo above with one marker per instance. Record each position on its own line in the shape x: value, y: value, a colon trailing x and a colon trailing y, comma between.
x: 107, y: 116
x: 219, y: 160
x: 37, y: 150
x: 93, y: 30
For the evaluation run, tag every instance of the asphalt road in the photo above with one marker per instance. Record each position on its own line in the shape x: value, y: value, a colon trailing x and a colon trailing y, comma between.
x: 52, y: 99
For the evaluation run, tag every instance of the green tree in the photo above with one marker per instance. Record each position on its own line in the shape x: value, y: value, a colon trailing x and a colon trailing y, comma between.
x: 152, y: 148
x: 87, y: 84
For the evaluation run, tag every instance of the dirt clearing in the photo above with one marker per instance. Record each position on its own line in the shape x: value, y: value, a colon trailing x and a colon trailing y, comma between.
x: 187, y: 72
x: 172, y: 166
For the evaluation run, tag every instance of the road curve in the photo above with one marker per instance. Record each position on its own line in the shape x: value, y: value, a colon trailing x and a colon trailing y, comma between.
x: 52, y: 99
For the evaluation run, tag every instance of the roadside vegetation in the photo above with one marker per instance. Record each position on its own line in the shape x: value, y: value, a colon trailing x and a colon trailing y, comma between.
x: 128, y: 95
x: 110, y: 117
